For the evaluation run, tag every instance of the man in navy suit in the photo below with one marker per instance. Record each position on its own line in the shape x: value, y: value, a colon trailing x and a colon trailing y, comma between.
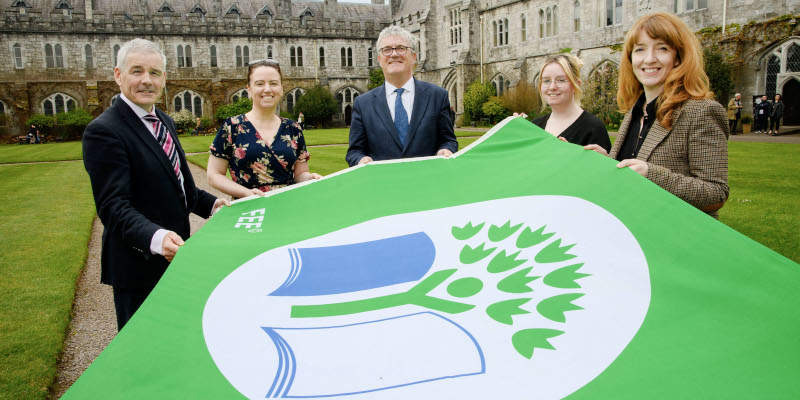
x: 143, y: 189
x: 404, y: 117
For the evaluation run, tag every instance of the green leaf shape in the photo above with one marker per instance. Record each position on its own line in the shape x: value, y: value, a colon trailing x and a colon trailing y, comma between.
x: 467, y: 231
x: 503, y: 311
x: 528, y: 238
x: 498, y: 233
x: 517, y: 282
x: 554, y: 252
x: 526, y: 340
x: 502, y: 262
x: 465, y: 287
x: 565, y: 277
x: 471, y: 255
x: 553, y: 308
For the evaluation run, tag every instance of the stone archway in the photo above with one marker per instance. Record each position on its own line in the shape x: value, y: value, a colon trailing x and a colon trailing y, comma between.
x: 791, y: 102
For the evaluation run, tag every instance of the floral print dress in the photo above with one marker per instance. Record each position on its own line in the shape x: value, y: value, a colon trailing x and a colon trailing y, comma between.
x: 252, y: 162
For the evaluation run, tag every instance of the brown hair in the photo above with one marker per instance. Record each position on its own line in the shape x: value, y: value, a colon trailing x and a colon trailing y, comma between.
x: 263, y: 63
x: 572, y: 68
x: 688, y: 80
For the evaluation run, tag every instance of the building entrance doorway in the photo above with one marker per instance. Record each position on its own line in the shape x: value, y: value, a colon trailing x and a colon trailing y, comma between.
x: 791, y: 102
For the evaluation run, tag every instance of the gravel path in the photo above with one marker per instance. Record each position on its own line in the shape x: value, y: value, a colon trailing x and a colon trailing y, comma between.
x: 94, y: 322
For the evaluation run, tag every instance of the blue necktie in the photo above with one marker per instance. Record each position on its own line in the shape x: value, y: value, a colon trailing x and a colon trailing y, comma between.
x: 400, y: 116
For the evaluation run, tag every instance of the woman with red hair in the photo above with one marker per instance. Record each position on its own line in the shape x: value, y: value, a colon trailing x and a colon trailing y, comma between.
x: 673, y: 132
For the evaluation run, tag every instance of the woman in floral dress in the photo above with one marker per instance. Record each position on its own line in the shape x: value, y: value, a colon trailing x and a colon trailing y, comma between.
x: 262, y: 150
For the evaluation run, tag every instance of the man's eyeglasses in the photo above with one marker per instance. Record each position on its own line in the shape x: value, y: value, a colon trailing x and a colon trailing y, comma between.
x: 400, y: 50
x: 559, y: 82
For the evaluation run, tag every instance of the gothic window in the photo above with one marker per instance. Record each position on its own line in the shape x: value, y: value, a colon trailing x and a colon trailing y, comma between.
x: 455, y: 26
x: 189, y: 100
x: 245, y: 55
x: 48, y: 56
x: 549, y: 24
x: 269, y: 51
x: 773, y: 68
x: 64, y: 6
x: 292, y: 98
x: 198, y: 10
x: 369, y: 57
x: 501, y: 85
x: 576, y: 17
x: 241, y: 94
x: 239, y: 56
x: 265, y: 12
x: 613, y: 12
x: 212, y: 53
x: 181, y: 61
x: 116, y: 52
x: 541, y: 23
x: 292, y: 57
x: 349, y: 56
x: 233, y: 11
x: 299, y: 56
x: 346, y: 97
x: 690, y: 5
x: 88, y: 56
x: 523, y: 23
x: 555, y: 20
x: 188, y: 55
x: 17, y: 55
x: 165, y: 8
x: 58, y: 103
x: 344, y: 57
x: 321, y: 56
x: 793, y: 58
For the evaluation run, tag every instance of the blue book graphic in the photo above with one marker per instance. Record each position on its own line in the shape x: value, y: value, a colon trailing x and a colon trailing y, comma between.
x: 359, y: 266
x: 371, y: 356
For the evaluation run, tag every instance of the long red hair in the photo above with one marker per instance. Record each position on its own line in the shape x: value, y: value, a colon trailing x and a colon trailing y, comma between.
x: 688, y: 80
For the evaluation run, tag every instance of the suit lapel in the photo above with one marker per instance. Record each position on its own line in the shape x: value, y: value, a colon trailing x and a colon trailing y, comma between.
x: 143, y: 134
x: 656, y: 135
x: 421, y: 101
x: 381, y: 108
x: 622, y: 132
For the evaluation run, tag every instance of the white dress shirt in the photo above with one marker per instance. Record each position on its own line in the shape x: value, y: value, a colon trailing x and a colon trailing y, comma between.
x: 407, y: 99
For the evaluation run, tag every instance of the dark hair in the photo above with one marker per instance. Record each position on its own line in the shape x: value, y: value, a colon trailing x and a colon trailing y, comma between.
x: 263, y: 63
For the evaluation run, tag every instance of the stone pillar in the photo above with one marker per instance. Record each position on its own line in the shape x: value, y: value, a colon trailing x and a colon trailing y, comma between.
x: 92, y: 98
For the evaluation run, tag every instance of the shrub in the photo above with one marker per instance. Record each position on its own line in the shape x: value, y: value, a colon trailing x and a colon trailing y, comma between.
x: 719, y: 73
x: 476, y: 94
x: 317, y: 105
x: 521, y: 98
x: 494, y: 110
x: 375, y: 78
x: 71, y: 124
x: 185, y: 121
x: 45, y: 123
x: 206, y: 124
x: 241, y: 106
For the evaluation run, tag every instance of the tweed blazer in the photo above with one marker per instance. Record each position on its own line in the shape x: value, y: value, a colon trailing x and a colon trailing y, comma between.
x: 691, y: 159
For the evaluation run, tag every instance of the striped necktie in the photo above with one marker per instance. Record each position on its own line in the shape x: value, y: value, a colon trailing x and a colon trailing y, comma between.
x: 167, y: 144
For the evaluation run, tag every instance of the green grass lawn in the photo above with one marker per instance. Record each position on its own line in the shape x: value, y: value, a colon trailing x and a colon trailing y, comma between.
x: 45, y: 225
x: 48, y: 210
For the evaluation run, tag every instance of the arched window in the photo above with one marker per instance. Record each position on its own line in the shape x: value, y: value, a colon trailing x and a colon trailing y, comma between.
x: 188, y: 100
x: 245, y: 55
x: 88, y: 56
x: 523, y: 27
x: 116, y: 52
x: 188, y: 56
x: 321, y: 56
x: 500, y: 84
x: 349, y: 56
x: 344, y: 57
x: 773, y: 68
x: 58, y: 56
x: 369, y: 57
x: 3, y: 108
x: 212, y: 54
x: 555, y: 20
x: 345, y: 97
x: 793, y: 58
x: 541, y: 23
x: 292, y: 57
x: 18, y: 56
x: 241, y: 94
x: 299, y: 56
x: 58, y: 103
x: 269, y: 51
x: 549, y: 24
x: 48, y: 56
x: 179, y: 51
x: 239, y: 56
x: 292, y: 97
x: 576, y: 17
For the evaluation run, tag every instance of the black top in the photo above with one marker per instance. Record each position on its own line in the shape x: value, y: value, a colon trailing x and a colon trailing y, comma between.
x: 587, y: 129
x: 636, y: 136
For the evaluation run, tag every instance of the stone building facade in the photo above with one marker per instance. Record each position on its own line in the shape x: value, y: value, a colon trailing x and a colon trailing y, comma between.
x: 60, y: 53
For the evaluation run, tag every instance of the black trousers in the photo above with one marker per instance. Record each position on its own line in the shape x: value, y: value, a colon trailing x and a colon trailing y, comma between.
x: 126, y: 302
x: 774, y: 124
x: 732, y: 125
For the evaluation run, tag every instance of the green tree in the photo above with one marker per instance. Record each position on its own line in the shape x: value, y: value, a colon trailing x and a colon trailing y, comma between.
x: 184, y: 121
x: 600, y: 95
x: 242, y: 106
x: 494, y: 110
x: 719, y: 73
x: 476, y: 94
x: 73, y: 123
x: 317, y: 105
x: 375, y: 78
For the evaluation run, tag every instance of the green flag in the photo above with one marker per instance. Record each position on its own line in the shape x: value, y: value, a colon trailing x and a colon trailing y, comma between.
x: 523, y: 267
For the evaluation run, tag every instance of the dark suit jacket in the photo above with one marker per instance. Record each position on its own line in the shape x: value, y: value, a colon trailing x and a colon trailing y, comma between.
x: 136, y: 192
x: 372, y: 132
x: 691, y: 159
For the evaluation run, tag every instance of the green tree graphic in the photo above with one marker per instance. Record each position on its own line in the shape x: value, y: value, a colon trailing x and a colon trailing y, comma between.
x: 517, y: 281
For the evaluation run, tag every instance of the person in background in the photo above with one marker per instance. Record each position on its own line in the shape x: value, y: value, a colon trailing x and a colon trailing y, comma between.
x: 673, y: 133
x: 762, y: 111
x: 261, y: 150
x: 33, y: 134
x: 560, y: 88
x: 404, y: 117
x: 143, y: 204
x: 734, y: 112
x: 198, y: 124
x: 775, y: 116
x: 301, y: 119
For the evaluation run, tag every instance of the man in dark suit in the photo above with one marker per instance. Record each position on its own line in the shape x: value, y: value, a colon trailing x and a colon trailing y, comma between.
x: 143, y: 189
x: 404, y: 117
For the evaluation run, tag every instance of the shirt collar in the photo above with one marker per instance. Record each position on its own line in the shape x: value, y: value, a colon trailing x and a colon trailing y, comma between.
x: 140, y: 112
x: 408, y: 86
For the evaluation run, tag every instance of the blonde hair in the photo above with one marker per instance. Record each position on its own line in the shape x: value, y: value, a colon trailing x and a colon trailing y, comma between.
x: 572, y: 68
x: 688, y: 80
